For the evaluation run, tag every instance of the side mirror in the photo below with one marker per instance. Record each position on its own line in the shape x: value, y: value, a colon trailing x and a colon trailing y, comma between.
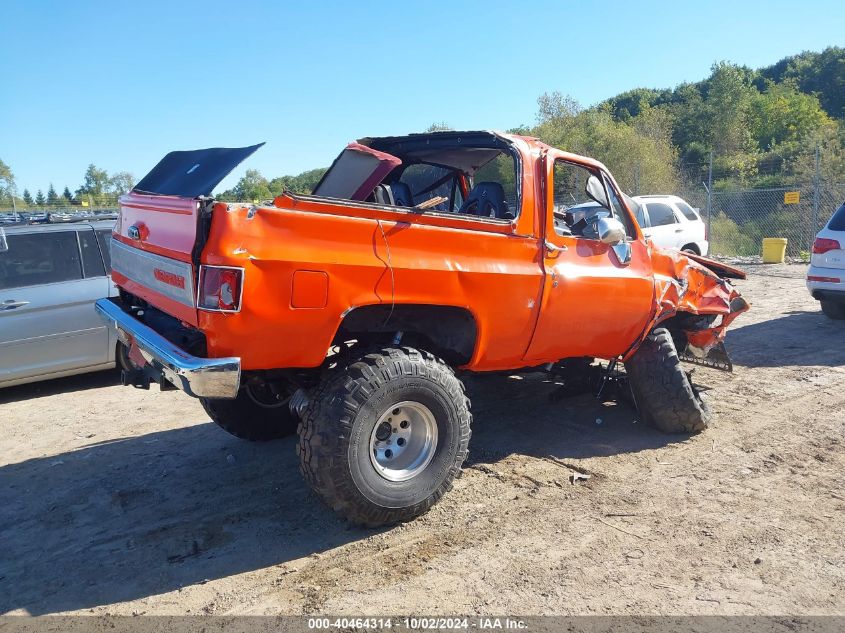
x: 596, y: 191
x: 610, y: 231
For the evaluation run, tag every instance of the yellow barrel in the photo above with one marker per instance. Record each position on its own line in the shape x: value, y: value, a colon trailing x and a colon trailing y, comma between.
x: 774, y: 250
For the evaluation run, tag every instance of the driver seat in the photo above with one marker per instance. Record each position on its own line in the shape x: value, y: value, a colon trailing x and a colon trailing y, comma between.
x: 487, y: 199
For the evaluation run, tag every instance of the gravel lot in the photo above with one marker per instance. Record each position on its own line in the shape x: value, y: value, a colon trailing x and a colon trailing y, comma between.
x: 128, y: 502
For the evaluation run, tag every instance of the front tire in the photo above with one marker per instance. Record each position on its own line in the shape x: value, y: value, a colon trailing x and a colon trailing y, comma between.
x: 664, y: 395
x: 253, y: 415
x: 382, y: 440
x: 833, y: 309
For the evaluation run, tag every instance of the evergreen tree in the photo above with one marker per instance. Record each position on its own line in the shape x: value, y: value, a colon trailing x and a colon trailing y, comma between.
x: 40, y: 200
x: 27, y: 197
x: 52, y: 196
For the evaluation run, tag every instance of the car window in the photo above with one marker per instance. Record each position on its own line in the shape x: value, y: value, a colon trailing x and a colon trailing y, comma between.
x: 502, y: 171
x: 641, y: 216
x: 570, y: 183
x: 92, y: 261
x: 104, y: 239
x: 430, y: 181
x: 660, y: 214
x: 572, y: 206
x: 40, y: 258
x: 837, y: 222
x: 688, y: 211
x: 617, y: 209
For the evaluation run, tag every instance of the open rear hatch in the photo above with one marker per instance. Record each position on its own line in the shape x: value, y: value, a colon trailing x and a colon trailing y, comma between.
x: 158, y: 237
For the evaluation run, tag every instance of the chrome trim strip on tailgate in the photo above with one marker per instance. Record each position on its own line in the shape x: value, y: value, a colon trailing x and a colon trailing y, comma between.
x: 169, y: 277
x: 198, y: 377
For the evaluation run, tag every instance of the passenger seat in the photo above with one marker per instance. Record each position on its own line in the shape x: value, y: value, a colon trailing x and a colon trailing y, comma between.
x: 402, y: 195
x: 487, y: 199
x: 383, y: 195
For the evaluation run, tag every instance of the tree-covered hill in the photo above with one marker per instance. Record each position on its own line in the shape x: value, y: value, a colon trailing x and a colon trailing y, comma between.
x: 762, y: 126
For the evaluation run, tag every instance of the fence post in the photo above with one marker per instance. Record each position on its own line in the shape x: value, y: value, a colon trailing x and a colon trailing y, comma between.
x: 816, y: 197
x: 710, y: 200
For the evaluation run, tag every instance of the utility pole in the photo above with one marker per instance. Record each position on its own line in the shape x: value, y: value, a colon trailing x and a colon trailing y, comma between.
x: 816, y: 196
x: 710, y: 198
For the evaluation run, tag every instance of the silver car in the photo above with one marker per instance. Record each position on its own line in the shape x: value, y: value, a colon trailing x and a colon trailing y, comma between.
x: 50, y: 277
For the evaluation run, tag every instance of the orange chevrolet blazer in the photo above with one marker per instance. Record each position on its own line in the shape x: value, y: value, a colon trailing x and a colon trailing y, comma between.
x: 346, y: 312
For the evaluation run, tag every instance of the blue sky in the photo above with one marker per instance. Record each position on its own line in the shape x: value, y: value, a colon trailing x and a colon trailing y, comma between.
x: 120, y: 84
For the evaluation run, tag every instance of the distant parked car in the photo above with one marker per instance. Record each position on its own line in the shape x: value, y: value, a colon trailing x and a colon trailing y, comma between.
x: 667, y: 220
x: 672, y: 223
x: 57, y: 217
x: 826, y: 275
x: 12, y: 218
x: 38, y: 217
x: 50, y: 277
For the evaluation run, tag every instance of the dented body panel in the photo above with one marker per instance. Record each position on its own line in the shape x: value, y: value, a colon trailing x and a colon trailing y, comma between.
x: 683, y: 285
x: 370, y: 257
x: 307, y: 262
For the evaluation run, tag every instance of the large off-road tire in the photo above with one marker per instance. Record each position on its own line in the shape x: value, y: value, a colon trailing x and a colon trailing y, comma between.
x: 251, y: 416
x: 383, y: 438
x: 833, y: 309
x: 661, y: 388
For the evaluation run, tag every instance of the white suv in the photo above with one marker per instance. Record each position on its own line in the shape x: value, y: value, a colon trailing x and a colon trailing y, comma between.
x: 826, y: 275
x: 672, y: 223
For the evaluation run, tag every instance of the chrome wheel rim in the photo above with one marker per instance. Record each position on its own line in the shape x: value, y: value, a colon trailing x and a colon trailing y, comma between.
x: 403, y: 441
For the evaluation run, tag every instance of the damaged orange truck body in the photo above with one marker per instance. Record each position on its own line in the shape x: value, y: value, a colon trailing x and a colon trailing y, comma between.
x: 347, y: 311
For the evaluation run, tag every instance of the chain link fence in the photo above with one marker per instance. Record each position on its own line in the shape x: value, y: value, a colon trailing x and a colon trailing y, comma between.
x: 739, y: 219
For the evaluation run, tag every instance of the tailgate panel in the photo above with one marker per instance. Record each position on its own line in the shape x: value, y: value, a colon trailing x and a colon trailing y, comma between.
x: 169, y: 277
x: 166, y: 225
x: 166, y: 283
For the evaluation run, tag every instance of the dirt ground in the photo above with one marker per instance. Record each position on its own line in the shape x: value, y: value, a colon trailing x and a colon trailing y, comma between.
x: 128, y: 502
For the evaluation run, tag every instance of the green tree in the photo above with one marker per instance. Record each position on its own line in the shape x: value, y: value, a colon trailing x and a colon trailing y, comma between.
x: 121, y: 182
x: 822, y: 74
x: 640, y: 153
x: 728, y: 105
x: 95, y: 183
x: 301, y: 183
x: 27, y: 197
x: 441, y: 126
x: 556, y: 107
x: 252, y: 187
x: 783, y: 116
x: 67, y: 195
x: 7, y: 181
x: 52, y: 196
x: 40, y: 200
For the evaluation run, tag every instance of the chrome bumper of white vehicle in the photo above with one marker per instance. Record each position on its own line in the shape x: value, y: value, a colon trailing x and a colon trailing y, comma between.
x: 198, y: 377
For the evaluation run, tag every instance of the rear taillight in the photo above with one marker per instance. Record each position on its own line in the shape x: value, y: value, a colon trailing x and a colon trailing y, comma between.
x: 826, y: 280
x: 823, y: 245
x: 220, y: 288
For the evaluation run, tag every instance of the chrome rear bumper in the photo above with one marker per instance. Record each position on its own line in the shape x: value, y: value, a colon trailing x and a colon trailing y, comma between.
x: 198, y: 377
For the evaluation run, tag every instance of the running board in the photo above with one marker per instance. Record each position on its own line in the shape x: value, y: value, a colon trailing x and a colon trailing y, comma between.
x: 717, y: 358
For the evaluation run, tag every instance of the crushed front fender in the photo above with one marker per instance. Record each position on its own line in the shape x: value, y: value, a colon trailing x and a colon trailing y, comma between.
x: 683, y: 285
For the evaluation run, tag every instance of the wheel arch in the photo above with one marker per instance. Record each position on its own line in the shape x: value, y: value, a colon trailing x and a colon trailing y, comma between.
x: 681, y: 322
x: 451, y: 332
